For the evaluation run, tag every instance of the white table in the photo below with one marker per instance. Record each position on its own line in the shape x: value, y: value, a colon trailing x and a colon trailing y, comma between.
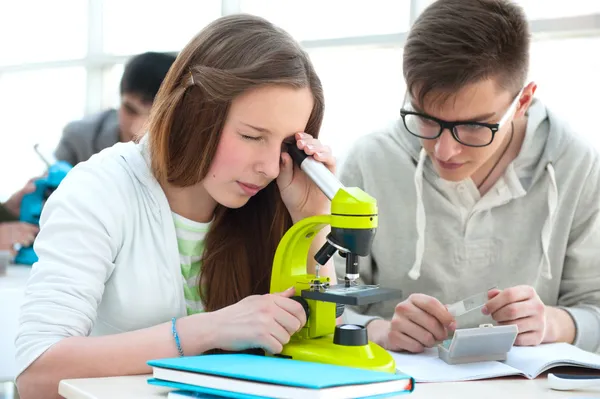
x: 136, y: 387
x: 12, y: 288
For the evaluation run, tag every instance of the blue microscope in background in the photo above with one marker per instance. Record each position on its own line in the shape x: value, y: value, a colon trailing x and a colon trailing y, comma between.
x: 33, y: 203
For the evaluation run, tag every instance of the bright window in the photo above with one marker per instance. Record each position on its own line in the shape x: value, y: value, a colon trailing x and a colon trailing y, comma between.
x: 135, y: 26
x: 110, y: 86
x: 319, y: 19
x: 363, y: 89
x: 35, y: 107
x: 566, y: 72
x: 363, y: 85
x: 545, y: 9
x: 38, y: 31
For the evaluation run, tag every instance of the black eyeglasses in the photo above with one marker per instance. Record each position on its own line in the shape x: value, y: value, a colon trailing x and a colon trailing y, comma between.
x: 471, y: 134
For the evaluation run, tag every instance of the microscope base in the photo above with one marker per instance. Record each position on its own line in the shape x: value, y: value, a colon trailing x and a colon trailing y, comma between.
x: 323, y: 350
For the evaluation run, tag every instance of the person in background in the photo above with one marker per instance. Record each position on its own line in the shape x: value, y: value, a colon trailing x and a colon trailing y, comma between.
x: 479, y: 185
x: 142, y: 77
x: 177, y: 231
x: 14, y: 234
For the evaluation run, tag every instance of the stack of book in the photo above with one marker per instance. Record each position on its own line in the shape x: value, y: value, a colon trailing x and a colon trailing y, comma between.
x: 254, y: 376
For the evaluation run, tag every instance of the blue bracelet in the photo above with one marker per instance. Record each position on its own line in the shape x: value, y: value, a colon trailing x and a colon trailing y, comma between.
x: 176, y: 337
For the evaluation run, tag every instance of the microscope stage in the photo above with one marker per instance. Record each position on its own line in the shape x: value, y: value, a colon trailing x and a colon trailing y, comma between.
x: 355, y: 295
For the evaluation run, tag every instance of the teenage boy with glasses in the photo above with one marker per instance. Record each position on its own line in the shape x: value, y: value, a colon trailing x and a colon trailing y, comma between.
x: 478, y: 185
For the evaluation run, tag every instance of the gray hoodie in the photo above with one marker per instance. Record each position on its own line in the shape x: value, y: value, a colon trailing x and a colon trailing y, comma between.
x: 539, y: 225
x: 84, y: 138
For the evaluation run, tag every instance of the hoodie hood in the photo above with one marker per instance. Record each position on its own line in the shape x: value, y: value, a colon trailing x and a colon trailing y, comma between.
x: 545, y: 141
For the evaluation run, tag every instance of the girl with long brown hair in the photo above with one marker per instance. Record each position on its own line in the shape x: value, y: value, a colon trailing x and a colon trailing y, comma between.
x: 164, y: 246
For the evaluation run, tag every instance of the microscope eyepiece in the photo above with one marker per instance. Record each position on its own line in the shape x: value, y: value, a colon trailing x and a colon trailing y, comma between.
x: 318, y: 173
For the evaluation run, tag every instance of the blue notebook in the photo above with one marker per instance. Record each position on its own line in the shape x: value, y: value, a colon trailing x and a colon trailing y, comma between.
x: 254, y: 376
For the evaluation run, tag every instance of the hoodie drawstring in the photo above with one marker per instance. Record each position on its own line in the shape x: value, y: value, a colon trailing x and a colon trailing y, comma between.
x: 415, y: 271
x: 547, y: 228
x: 544, y: 268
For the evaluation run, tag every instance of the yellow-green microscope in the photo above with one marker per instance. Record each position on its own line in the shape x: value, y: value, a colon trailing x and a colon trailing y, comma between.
x: 353, y: 222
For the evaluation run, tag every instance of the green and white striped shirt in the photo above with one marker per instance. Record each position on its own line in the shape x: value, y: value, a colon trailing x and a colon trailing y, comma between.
x: 190, y: 241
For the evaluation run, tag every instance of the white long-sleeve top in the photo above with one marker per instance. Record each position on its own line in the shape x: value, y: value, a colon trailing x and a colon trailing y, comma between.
x: 108, y: 256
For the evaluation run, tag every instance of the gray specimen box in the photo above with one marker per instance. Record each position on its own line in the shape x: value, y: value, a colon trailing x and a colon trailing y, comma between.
x: 484, y: 343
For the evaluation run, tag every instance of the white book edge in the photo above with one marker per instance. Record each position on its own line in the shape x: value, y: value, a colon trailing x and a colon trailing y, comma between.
x: 566, y: 363
x: 275, y: 390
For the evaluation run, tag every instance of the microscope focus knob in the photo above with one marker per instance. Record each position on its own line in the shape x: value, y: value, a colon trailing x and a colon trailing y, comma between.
x: 304, y: 304
x: 350, y: 335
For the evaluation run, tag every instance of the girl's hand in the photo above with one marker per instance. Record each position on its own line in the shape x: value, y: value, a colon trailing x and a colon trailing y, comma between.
x: 259, y: 321
x: 301, y: 196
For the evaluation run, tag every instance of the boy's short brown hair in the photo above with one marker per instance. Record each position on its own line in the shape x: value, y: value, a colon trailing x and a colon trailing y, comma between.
x: 454, y: 43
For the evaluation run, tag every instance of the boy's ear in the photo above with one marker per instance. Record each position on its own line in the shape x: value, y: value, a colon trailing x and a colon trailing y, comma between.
x: 526, y: 99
